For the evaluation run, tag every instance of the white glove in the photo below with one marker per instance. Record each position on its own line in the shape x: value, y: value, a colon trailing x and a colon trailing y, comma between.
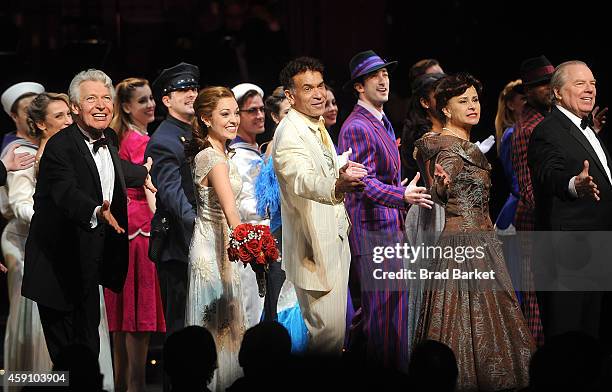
x: 486, y: 144
x: 344, y: 157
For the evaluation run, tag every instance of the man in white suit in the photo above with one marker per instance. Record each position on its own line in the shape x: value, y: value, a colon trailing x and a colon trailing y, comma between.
x: 316, y: 253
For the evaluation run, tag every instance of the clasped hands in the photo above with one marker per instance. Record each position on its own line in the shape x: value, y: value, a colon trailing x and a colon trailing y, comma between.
x: 104, y: 213
x: 350, y: 175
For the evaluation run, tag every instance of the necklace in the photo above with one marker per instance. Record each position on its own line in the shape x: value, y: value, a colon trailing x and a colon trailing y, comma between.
x: 453, y: 132
x: 138, y: 129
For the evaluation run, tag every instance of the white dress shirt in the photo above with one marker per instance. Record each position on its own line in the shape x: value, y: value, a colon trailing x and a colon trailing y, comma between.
x: 106, y: 171
x: 375, y: 112
x: 590, y: 135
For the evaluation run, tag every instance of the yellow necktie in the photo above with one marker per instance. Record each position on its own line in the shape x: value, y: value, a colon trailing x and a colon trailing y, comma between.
x: 325, y: 138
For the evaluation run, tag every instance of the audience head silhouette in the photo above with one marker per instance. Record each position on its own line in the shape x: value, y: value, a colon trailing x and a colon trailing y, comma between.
x: 433, y: 367
x: 190, y: 358
x: 262, y: 345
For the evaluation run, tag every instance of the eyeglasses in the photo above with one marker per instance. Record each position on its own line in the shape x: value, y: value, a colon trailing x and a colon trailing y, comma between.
x: 252, y: 111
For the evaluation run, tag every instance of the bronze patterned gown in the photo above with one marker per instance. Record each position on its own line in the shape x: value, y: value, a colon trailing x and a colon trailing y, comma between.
x: 481, y: 321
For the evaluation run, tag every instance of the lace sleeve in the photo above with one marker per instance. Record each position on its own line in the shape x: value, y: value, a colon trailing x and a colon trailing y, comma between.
x: 204, y: 161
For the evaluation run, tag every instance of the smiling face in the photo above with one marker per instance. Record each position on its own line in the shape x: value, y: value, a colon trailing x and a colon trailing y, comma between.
x: 375, y: 88
x: 252, y: 116
x: 141, y: 106
x: 578, y: 92
x: 309, y: 95
x: 224, y: 120
x: 57, y: 117
x: 331, y: 110
x: 94, y: 111
x: 180, y: 103
x: 463, y: 111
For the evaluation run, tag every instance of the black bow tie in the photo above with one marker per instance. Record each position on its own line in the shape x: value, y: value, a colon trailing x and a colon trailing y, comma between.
x: 587, y: 121
x: 102, y: 142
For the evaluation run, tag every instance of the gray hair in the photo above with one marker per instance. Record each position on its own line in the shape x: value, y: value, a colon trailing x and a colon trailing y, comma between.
x: 91, y: 74
x: 559, y: 77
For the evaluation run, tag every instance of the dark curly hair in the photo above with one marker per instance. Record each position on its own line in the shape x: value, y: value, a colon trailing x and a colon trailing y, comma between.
x: 203, y: 106
x: 417, y: 121
x: 453, y: 86
x: 297, y: 66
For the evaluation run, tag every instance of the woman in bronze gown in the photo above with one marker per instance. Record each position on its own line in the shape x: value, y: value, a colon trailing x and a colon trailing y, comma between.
x: 478, y: 318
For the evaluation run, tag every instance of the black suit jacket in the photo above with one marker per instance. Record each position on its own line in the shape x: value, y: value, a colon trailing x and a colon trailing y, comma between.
x: 64, y: 256
x: 2, y: 174
x: 557, y: 150
x: 175, y: 198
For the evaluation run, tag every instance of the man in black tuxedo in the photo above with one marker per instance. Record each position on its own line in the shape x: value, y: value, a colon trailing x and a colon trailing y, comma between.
x: 572, y: 181
x: 76, y: 238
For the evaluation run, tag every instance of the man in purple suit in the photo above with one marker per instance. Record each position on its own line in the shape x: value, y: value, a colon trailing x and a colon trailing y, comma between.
x: 377, y: 213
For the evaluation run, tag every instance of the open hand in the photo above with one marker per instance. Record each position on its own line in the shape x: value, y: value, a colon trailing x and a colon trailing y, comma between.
x: 3, y: 268
x: 415, y: 194
x: 599, y: 118
x: 584, y: 184
x: 105, y: 215
x: 441, y: 175
x: 17, y: 161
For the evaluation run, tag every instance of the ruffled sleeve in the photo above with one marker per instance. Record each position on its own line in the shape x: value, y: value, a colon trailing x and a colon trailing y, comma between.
x: 204, y: 161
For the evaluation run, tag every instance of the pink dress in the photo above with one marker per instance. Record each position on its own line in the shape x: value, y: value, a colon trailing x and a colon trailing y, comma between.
x: 138, y: 308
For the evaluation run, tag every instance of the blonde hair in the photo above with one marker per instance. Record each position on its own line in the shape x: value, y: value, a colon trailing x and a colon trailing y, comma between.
x: 124, y: 91
x: 37, y: 111
x: 505, y: 117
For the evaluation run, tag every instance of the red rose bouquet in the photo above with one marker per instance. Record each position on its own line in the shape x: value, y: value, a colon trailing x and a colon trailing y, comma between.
x: 255, y: 245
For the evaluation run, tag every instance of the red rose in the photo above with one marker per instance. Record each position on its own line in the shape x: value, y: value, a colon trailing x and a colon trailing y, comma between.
x: 272, y: 254
x: 253, y: 246
x: 268, y: 242
x: 261, y: 259
x: 264, y: 229
x: 241, y: 231
x: 245, y: 255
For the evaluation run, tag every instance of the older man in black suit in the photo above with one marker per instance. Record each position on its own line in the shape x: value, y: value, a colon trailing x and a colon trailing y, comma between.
x: 76, y: 238
x: 571, y: 175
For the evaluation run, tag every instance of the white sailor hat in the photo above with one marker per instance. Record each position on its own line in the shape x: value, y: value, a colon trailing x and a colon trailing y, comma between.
x: 242, y: 88
x: 16, y: 91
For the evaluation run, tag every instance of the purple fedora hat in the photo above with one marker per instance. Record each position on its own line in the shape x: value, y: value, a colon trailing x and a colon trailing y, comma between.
x: 364, y: 63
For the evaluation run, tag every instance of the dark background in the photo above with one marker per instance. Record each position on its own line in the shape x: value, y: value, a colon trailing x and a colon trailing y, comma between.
x: 50, y: 41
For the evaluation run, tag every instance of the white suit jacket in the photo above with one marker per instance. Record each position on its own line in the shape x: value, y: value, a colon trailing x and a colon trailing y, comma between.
x: 315, y: 224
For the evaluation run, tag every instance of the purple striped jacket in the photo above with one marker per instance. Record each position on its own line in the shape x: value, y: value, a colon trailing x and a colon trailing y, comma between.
x: 380, y: 207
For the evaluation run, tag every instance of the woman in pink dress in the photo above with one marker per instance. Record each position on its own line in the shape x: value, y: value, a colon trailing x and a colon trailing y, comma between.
x: 137, y: 311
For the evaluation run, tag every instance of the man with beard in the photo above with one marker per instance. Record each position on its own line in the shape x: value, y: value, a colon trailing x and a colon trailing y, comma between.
x: 77, y: 238
x: 378, y: 211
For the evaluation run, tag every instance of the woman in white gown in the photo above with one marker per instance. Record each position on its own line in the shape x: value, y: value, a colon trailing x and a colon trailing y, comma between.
x: 214, y: 294
x: 24, y: 343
